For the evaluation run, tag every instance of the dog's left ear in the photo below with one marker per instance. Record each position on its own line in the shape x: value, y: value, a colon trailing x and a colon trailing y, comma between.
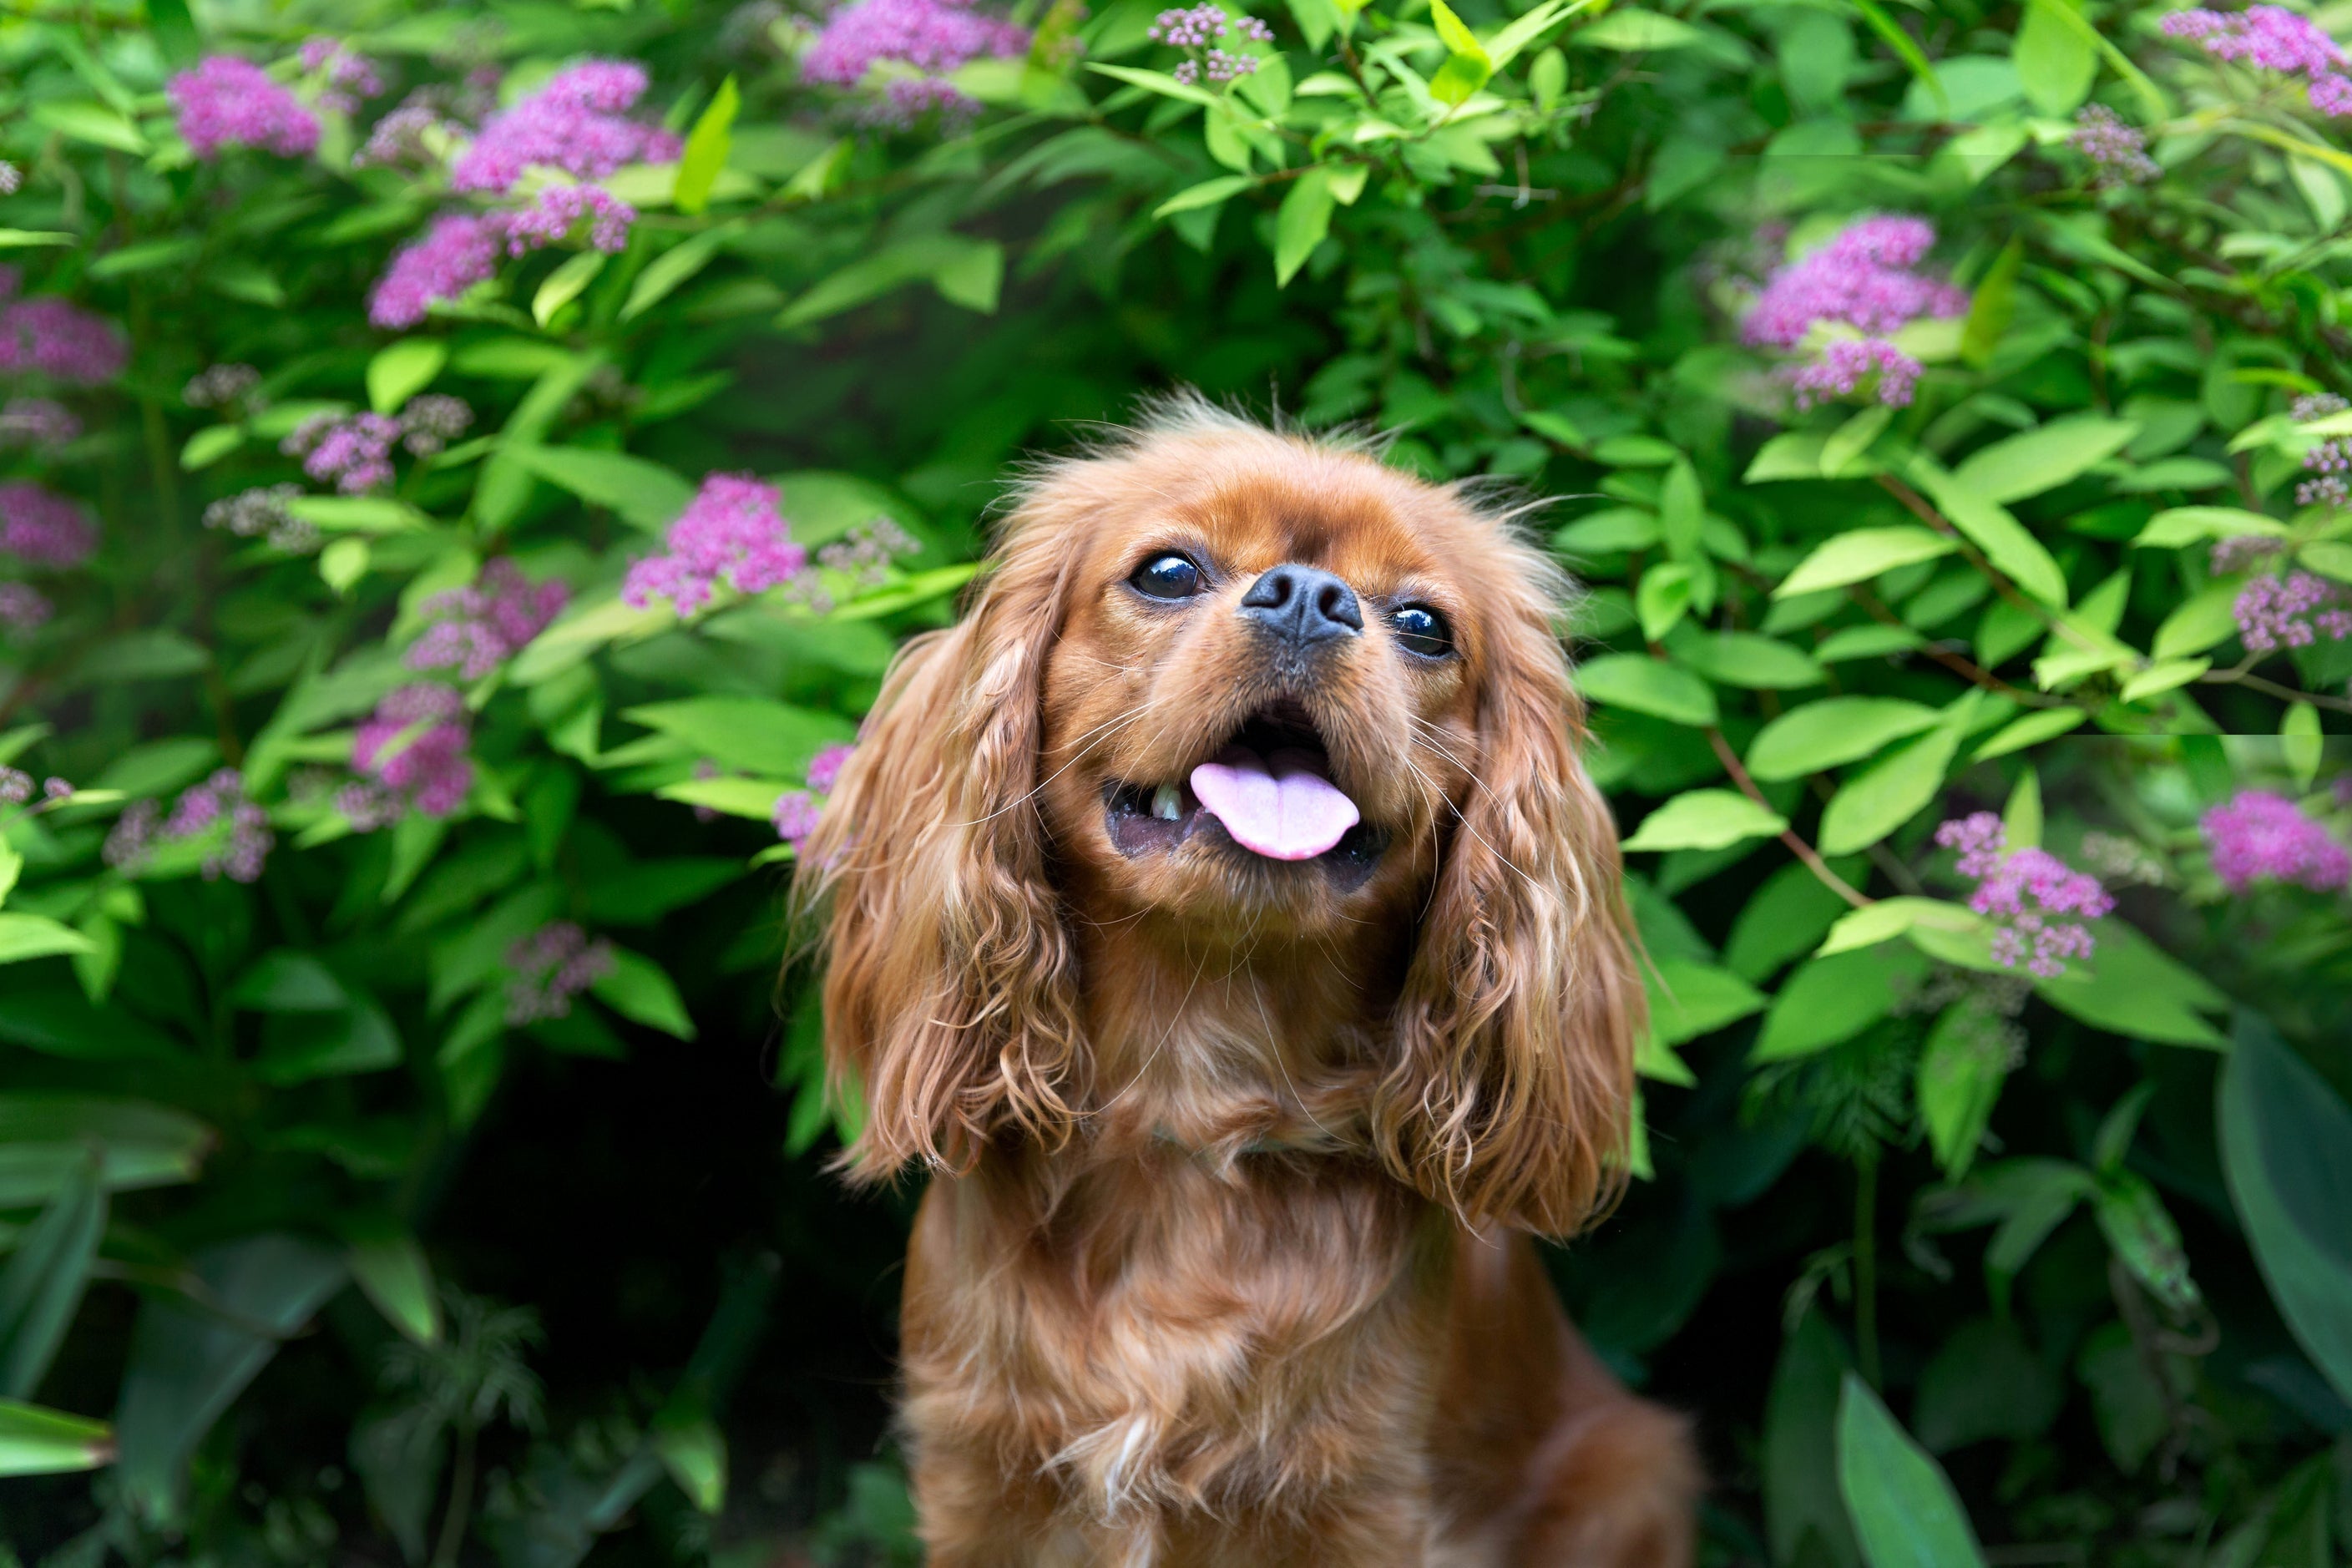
x: 1510, y: 1092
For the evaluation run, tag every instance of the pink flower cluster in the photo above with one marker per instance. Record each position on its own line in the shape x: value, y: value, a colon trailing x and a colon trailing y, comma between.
x: 733, y: 530
x: 461, y: 250
x: 23, y: 609
x: 218, y: 806
x: 2293, y: 610
x: 354, y: 453
x: 42, y: 528
x: 934, y: 36
x: 2020, y: 890
x: 1847, y: 363
x: 797, y: 810
x: 1192, y: 29
x: 559, y: 210
x: 37, y: 422
x: 2272, y: 38
x: 415, y: 744
x: 478, y: 627
x: 1862, y: 278
x: 2261, y: 837
x: 574, y: 123
x: 348, y: 77
x: 2118, y: 153
x: 228, y: 100
x: 2331, y: 460
x: 552, y: 966
x: 60, y: 340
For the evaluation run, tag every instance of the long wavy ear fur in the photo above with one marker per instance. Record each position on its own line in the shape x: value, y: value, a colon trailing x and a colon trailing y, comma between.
x: 1510, y: 1089
x: 950, y: 1002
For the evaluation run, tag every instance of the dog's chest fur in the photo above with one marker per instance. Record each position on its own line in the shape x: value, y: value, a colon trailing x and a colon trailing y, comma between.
x: 1167, y: 1336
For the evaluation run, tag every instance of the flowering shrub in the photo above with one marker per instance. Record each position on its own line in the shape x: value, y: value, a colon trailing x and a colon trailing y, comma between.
x: 462, y: 480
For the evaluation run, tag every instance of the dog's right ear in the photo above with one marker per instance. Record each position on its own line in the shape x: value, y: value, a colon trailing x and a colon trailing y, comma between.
x: 950, y: 998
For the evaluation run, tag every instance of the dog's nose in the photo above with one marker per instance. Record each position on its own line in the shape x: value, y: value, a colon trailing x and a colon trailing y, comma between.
x: 1304, y: 605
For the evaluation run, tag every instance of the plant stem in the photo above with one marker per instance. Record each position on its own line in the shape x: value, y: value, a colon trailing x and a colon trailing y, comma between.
x: 1866, y: 1266
x: 461, y: 1501
x: 1796, y: 845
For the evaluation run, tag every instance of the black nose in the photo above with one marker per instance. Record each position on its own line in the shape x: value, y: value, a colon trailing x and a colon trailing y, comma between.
x: 1304, y: 605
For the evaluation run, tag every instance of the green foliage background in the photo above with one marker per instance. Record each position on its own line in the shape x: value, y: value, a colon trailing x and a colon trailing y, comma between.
x: 312, y: 1258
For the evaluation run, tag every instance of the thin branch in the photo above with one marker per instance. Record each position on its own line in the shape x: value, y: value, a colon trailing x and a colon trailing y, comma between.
x: 1796, y: 845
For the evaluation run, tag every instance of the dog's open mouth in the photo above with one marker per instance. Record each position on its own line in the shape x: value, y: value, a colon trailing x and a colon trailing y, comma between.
x: 1268, y: 788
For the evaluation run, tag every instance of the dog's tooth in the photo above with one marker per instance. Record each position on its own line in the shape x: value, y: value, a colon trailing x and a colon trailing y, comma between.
x: 1167, y: 804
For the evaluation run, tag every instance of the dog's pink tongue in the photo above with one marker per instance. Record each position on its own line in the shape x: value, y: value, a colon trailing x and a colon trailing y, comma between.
x: 1280, y: 806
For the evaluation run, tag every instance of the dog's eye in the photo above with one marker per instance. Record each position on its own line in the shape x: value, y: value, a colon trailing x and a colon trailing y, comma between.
x: 1167, y: 577
x: 1422, y: 630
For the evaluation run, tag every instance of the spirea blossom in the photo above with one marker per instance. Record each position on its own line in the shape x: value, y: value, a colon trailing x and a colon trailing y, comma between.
x: 863, y: 555
x: 825, y: 768
x: 456, y: 252
x: 12, y: 178
x: 1847, y: 363
x: 796, y: 816
x: 59, y: 340
x: 2272, y: 38
x: 220, y: 801
x: 933, y: 36
x: 23, y: 609
x: 16, y: 786
x: 399, y: 136
x: 2293, y: 610
x: 2261, y: 837
x: 261, y: 512
x: 37, y: 422
x: 559, y: 209
x: 2020, y: 891
x: 415, y: 744
x: 228, y: 100
x: 551, y: 966
x: 2241, y: 551
x: 477, y: 627
x: 349, y: 76
x: 733, y: 532
x: 220, y: 385
x: 574, y: 123
x: 430, y: 422
x: 42, y: 528
x: 354, y: 454
x: 1862, y: 278
x: 2117, y: 152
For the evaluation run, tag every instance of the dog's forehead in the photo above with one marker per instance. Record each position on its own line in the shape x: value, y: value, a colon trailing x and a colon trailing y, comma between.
x: 1372, y: 527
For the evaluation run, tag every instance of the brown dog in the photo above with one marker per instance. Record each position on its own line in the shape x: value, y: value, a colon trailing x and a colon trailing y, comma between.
x: 1222, y: 913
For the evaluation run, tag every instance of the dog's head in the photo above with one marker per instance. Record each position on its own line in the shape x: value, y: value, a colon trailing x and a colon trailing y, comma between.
x: 1261, y: 695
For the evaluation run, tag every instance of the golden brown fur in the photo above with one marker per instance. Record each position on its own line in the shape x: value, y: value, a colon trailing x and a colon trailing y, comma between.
x: 1223, y: 1261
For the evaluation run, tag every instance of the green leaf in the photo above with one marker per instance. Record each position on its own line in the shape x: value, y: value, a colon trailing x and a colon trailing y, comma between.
x: 1688, y: 999
x: 1467, y: 65
x: 696, y: 1456
x: 1303, y: 218
x: 1887, y: 918
x: 1160, y: 82
x: 965, y: 271
x: 2191, y: 524
x: 286, y: 981
x: 1662, y: 598
x: 1867, y: 808
x: 1630, y: 29
x: 1706, y: 819
x: 565, y: 284
x: 706, y: 149
x: 1990, y: 527
x: 1645, y: 685
x: 357, y: 514
x: 343, y: 564
x: 641, y: 493
x: 1853, y: 439
x: 25, y: 239
x: 36, y: 936
x: 210, y: 445
x: 2203, y: 620
x: 666, y: 273
x: 1207, y: 194
x: 1962, y: 1069
x: 93, y: 122
x: 35, y: 1441
x: 2056, y: 63
x: 1826, y: 1000
x: 1832, y: 732
x: 42, y: 1285
x: 1860, y: 554
x: 748, y: 733
x: 1804, y: 1518
x: 1791, y: 455
x: 636, y: 988
x: 392, y: 1271
x: 2029, y: 731
x: 2037, y: 460
x: 1904, y: 1512
x: 188, y: 1365
x: 1906, y: 48
x: 402, y: 370
x: 1992, y: 306
x: 2286, y: 1151
x: 754, y: 798
x: 2132, y: 988
x: 2133, y: 1219
x: 1986, y: 1381
x: 1747, y: 660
